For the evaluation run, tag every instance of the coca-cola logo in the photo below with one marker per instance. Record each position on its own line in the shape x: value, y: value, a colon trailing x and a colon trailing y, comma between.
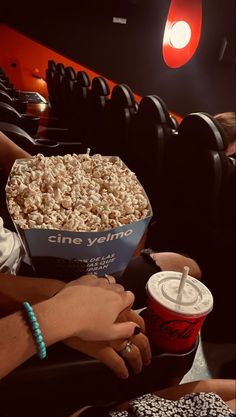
x: 175, y: 328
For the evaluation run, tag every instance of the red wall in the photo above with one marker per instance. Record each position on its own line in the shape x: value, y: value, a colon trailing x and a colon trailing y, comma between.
x: 30, y: 58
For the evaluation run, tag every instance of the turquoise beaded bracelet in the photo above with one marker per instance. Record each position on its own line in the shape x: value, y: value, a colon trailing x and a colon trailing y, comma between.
x: 42, y: 353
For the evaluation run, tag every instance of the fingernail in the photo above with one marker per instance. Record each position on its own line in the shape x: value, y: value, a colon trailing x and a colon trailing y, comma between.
x: 137, y: 330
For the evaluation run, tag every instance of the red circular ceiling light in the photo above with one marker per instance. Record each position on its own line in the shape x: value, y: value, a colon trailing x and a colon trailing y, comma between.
x: 182, y: 32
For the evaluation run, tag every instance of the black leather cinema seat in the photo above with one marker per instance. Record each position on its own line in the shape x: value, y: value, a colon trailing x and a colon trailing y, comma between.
x: 8, y: 90
x: 79, y: 106
x: 28, y: 122
x: 150, y: 130
x: 196, y: 213
x: 34, y: 146
x: 50, y: 73
x: 31, y: 124
x: 18, y: 104
x: 98, y: 99
x: 5, y: 81
x: 195, y: 171
x: 119, y: 112
x: 56, y: 80
x: 66, y: 94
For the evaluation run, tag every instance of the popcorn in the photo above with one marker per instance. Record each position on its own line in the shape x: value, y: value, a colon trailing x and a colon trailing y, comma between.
x: 74, y: 193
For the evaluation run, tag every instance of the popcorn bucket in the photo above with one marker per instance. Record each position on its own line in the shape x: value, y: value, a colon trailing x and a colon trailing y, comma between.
x: 64, y: 253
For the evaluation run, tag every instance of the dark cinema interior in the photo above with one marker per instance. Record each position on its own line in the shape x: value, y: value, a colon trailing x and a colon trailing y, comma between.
x: 142, y: 80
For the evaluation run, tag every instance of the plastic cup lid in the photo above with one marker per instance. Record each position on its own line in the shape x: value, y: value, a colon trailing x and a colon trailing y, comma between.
x: 196, y: 298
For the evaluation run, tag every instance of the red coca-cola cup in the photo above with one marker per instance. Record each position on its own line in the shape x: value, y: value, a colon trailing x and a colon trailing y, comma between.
x: 173, y: 319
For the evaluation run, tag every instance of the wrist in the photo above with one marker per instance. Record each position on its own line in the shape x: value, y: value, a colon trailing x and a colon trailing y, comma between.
x: 54, y: 320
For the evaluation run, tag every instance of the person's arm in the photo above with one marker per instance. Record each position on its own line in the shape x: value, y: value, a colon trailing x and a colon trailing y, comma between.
x: 87, y: 308
x: 172, y: 261
x: 9, y: 152
x: 225, y: 388
x: 14, y: 290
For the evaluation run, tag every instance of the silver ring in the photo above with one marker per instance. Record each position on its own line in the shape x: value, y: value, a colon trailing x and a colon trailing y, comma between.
x: 107, y: 278
x: 127, y: 348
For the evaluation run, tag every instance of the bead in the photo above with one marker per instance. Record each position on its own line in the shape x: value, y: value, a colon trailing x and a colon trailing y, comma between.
x: 41, y: 347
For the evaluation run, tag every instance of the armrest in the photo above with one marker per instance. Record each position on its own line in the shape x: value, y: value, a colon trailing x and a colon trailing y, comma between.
x: 67, y: 380
x: 20, y: 105
x: 50, y: 147
x: 30, y: 123
x: 45, y: 146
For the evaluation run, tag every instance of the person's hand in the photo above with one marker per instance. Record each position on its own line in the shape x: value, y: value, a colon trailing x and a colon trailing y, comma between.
x: 88, y: 308
x: 108, y: 352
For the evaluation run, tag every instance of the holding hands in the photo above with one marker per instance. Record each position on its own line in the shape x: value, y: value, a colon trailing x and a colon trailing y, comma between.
x: 89, y: 307
x: 92, y: 314
x: 115, y: 354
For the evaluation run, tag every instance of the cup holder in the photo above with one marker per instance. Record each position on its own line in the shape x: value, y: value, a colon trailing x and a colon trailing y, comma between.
x: 20, y: 105
x: 30, y: 123
x: 47, y: 143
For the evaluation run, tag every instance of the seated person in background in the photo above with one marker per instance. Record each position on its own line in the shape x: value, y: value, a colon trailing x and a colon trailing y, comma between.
x: 140, y: 268
x: 228, y: 123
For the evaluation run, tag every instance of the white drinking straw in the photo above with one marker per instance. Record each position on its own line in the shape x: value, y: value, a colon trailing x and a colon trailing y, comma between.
x: 182, y: 283
x: 88, y: 151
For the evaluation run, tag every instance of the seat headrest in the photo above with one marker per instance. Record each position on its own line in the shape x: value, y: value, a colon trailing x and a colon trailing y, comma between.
x: 174, y: 122
x: 60, y: 68
x: 100, y: 86
x: 122, y: 96
x: 83, y: 79
x: 154, y: 109
x: 4, y: 94
x: 3, y: 87
x: 70, y: 73
x: 5, y: 107
x: 52, y: 65
x: 201, y: 130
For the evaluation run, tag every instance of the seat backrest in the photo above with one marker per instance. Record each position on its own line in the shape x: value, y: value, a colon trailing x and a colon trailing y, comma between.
x: 66, y: 92
x: 119, y: 112
x: 81, y: 88
x: 98, y: 98
x: 5, y: 98
x: 148, y: 136
x: 9, y: 114
x: 18, y: 104
x: 2, y: 72
x: 27, y: 121
x: 8, y: 90
x: 51, y: 65
x: 204, y: 193
x: 56, y: 86
x: 67, y: 83
x: 195, y: 175
x: 50, y: 73
x: 79, y: 99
